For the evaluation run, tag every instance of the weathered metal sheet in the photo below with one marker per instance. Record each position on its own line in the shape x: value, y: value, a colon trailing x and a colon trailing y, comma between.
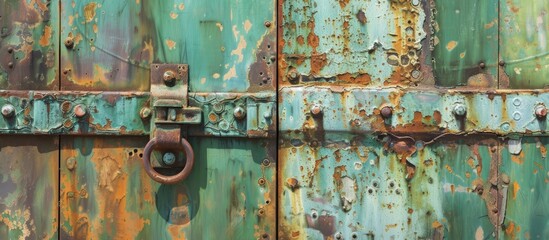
x: 411, y: 111
x: 524, y: 44
x: 465, y: 42
x: 385, y: 188
x: 105, y: 194
x: 366, y: 43
x: 29, y: 42
x: 525, y: 163
x: 29, y: 183
x: 111, y: 45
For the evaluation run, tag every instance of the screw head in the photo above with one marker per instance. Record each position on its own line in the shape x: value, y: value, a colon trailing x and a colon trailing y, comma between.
x: 482, y: 65
x: 80, y: 110
x: 541, y: 111
x: 169, y: 77
x: 386, y: 112
x: 239, y: 113
x: 316, y: 110
x: 8, y: 110
x: 459, y: 110
x: 168, y: 158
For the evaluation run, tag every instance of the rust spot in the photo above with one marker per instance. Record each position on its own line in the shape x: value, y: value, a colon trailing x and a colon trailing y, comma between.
x: 516, y: 188
x: 361, y: 16
x: 324, y: 223
x: 89, y: 11
x: 300, y: 40
x: 343, y: 3
x: 451, y: 45
x: 312, y: 38
x: 362, y: 79
x: 317, y: 63
x: 45, y: 38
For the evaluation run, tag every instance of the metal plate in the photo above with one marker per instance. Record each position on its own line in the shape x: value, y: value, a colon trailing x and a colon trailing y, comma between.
x: 524, y: 44
x: 29, y: 183
x: 29, y: 43
x: 105, y: 193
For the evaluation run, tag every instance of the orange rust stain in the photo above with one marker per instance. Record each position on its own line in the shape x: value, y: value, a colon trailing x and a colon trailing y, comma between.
x: 343, y: 3
x: 170, y: 43
x: 45, y: 38
x: 518, y: 159
x: 449, y: 169
x: 468, y: 175
x: 312, y: 38
x: 173, y: 15
x: 181, y: 6
x: 451, y: 45
x: 89, y: 11
x: 453, y: 188
x: 516, y: 188
x: 436, y: 224
x: 95, y: 29
x: 318, y: 61
x: 338, y: 172
x: 437, y: 116
x: 362, y: 79
x: 471, y: 162
x: 300, y: 40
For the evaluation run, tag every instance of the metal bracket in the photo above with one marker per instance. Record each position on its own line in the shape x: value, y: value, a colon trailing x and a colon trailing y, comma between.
x: 171, y: 113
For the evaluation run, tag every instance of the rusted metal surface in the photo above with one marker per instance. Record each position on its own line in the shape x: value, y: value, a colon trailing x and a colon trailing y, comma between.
x: 412, y: 111
x: 524, y: 160
x: 105, y: 194
x: 82, y: 113
x: 29, y: 185
x: 464, y: 42
x: 29, y: 40
x: 367, y: 187
x: 524, y: 44
x: 230, y: 50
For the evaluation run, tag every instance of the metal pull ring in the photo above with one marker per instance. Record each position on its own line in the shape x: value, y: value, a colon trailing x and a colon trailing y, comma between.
x: 154, y: 144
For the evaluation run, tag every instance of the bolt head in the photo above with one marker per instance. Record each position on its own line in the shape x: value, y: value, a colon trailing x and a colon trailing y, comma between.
x: 80, y: 110
x: 541, y: 111
x: 145, y: 113
x: 316, y: 110
x: 169, y: 77
x: 501, y: 63
x: 386, y: 112
x: 460, y: 110
x: 268, y: 24
x: 293, y: 75
x: 168, y: 158
x: 482, y: 65
x: 239, y: 113
x: 71, y: 163
x: 8, y: 110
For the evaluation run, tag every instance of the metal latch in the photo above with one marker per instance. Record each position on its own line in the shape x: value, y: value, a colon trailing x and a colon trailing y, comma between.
x: 170, y: 116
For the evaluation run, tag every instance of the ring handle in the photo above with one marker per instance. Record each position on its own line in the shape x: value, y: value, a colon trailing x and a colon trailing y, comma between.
x: 158, y: 145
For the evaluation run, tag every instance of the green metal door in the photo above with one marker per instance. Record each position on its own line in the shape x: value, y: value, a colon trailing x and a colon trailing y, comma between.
x: 413, y: 119
x: 86, y: 85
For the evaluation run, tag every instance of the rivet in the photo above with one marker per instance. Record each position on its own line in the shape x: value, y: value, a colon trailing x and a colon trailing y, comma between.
x: 501, y: 63
x: 168, y: 158
x: 541, y: 111
x: 261, y: 212
x: 293, y: 75
x: 266, y: 162
x: 69, y: 42
x: 338, y: 236
x: 506, y: 126
x: 292, y: 183
x: 261, y: 181
x: 268, y: 24
x: 386, y: 112
x: 482, y: 65
x: 10, y: 64
x: 169, y: 77
x: 8, y: 110
x: 65, y: 106
x: 70, y: 163
x: 316, y: 110
x: 459, y: 110
x: 268, y: 114
x: 224, y: 125
x: 145, y: 113
x: 517, y: 102
x: 10, y: 50
x: 273, y: 58
x: 265, y: 236
x: 505, y: 179
x: 239, y: 113
x: 79, y: 110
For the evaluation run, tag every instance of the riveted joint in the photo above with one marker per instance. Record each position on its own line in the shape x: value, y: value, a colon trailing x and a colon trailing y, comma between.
x: 541, y: 111
x: 386, y: 112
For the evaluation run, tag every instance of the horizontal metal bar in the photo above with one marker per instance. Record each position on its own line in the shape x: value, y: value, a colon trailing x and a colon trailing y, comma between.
x: 315, y: 111
x: 128, y: 113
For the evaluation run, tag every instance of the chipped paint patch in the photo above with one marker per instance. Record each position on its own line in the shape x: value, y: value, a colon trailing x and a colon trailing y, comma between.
x: 516, y: 188
x: 89, y: 11
x: 45, y: 38
x: 451, y: 45
x: 171, y: 44
x: 247, y: 25
x: 230, y: 74
x: 238, y: 51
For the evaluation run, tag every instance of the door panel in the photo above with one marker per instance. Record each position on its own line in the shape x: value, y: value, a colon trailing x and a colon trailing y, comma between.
x: 29, y: 41
x: 29, y: 185
x: 465, y: 43
x: 113, y: 43
x: 524, y: 44
x: 105, y: 194
x: 527, y: 214
x: 369, y: 188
